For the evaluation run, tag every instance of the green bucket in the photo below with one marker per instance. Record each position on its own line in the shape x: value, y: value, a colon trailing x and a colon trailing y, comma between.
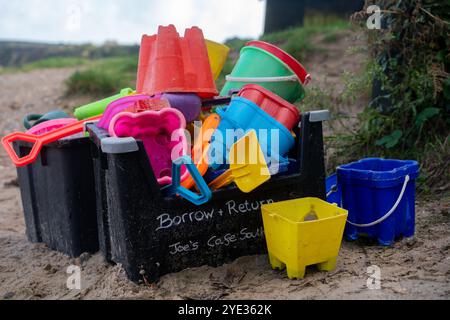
x: 263, y: 68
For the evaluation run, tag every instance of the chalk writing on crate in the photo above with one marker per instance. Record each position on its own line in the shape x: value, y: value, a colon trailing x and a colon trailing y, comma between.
x: 166, y: 220
x: 216, y: 241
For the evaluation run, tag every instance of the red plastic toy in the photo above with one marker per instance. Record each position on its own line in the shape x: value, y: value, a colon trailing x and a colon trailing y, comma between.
x: 170, y: 63
x: 39, y: 141
x: 295, y: 66
x: 281, y: 110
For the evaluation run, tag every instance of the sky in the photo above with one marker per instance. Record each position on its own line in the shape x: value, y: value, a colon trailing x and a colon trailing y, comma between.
x: 97, y: 21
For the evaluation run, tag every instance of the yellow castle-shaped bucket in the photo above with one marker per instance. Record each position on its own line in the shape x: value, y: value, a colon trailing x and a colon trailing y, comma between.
x: 303, y: 232
x: 217, y: 54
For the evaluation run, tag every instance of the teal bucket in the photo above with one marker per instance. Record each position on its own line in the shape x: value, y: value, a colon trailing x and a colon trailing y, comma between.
x: 263, y: 68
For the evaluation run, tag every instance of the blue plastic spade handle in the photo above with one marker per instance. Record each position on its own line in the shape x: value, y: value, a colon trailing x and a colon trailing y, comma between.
x: 176, y: 188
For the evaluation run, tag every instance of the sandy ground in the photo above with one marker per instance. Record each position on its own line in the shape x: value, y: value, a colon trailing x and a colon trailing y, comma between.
x: 417, y: 269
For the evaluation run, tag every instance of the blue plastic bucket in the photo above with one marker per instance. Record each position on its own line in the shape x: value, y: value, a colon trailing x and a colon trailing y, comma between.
x: 379, y: 195
x: 245, y: 115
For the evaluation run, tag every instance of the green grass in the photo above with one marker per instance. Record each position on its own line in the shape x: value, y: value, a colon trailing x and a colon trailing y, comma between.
x: 54, y: 62
x: 104, y: 77
x: 298, y: 41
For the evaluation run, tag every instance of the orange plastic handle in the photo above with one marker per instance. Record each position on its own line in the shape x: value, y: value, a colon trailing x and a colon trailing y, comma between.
x: 40, y: 140
x: 209, y: 126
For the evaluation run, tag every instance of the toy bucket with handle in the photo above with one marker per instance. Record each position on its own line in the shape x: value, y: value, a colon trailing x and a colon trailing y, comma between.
x: 258, y: 66
x: 292, y: 63
x: 379, y: 195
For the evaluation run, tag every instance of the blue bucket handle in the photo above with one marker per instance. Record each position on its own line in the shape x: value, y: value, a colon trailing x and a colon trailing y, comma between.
x: 387, y: 215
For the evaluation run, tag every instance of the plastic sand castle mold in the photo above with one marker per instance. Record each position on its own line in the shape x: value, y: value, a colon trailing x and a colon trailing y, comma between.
x: 162, y: 133
x: 119, y: 105
x: 303, y: 232
x: 170, y: 63
x: 153, y: 104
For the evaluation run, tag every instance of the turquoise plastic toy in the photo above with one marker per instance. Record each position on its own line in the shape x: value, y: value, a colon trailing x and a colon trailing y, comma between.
x: 176, y: 188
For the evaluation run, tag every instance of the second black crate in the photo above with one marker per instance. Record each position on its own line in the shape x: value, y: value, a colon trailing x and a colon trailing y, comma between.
x: 58, y: 196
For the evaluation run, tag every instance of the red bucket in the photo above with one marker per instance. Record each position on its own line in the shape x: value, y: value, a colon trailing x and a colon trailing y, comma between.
x: 281, y: 110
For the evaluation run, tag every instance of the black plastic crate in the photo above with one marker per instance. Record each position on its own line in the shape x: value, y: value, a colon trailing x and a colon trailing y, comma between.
x: 58, y: 196
x: 152, y: 235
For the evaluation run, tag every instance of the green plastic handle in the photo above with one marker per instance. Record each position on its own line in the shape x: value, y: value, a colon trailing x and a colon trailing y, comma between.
x: 96, y: 108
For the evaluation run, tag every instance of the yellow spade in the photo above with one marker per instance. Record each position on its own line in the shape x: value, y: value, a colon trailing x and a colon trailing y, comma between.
x: 248, y: 167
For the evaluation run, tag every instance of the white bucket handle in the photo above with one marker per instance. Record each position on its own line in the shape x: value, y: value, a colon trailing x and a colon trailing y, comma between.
x: 387, y: 215
x: 262, y: 79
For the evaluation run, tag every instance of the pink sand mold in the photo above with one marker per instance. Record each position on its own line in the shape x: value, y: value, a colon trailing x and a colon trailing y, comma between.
x: 156, y: 129
x: 50, y: 125
x: 119, y: 105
